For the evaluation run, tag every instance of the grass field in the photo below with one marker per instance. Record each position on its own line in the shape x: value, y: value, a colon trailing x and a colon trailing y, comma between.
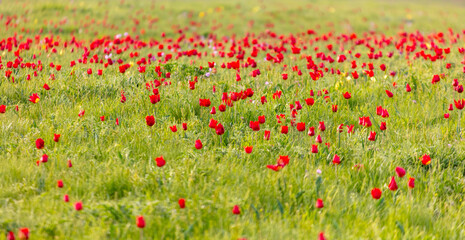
x: 101, y: 69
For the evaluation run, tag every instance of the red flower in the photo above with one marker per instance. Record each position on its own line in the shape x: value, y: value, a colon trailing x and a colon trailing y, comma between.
x: 81, y: 113
x: 160, y: 161
x: 102, y: 118
x: 70, y: 164
x: 309, y: 101
x: 376, y: 193
x: 284, y: 75
x: 347, y: 95
x: 318, y: 139
x: 255, y: 125
x: 322, y: 126
x: 372, y: 136
x: 284, y: 129
x: 40, y: 143
x: 336, y: 159
x: 184, y: 126
x: 408, y: 88
x: 400, y: 172
x: 425, y: 159
x: 389, y: 93
x: 446, y: 115
x: 267, y: 135
x: 248, y: 149
x: 411, y: 182
x: 123, y: 98
x: 222, y: 107
x: 2, y: 108
x: 204, y: 102
x: 60, y: 183
x: 140, y: 222
x: 435, y: 79
x: 314, y: 148
x: 66, y: 198
x: 213, y: 111
x: 198, y: 144
x: 182, y: 203
x: 261, y: 119
x: 23, y: 233
x: 46, y: 87
x: 89, y: 71
x: 311, y: 131
x: 334, y: 108
x: 174, y: 128
x: 301, y: 126
x: 44, y: 158
x: 393, y: 184
x: 219, y: 129
x: 34, y: 98
x: 382, y: 126
x: 10, y: 236
x: 78, y: 206
x: 350, y: 129
x: 150, y: 120
x: 321, y: 236
x: 459, y: 104
x: 319, y: 203
x: 236, y: 210
x: 213, y: 123
x: 263, y: 99
x: 154, y: 98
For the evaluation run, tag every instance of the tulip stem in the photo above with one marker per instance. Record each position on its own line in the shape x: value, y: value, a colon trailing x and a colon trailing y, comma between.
x: 141, y: 234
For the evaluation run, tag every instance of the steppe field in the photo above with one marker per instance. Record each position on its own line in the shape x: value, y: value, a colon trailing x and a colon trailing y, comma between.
x: 257, y: 119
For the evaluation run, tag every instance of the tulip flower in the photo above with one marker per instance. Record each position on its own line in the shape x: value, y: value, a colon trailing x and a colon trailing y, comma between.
x: 400, y: 172
x: 248, y: 149
x: 411, y: 182
x: 198, y: 144
x: 319, y: 203
x: 182, y: 203
x: 40, y: 143
x: 150, y: 120
x: 140, y: 222
x: 393, y: 184
x: 425, y: 159
x: 78, y: 206
x: 160, y: 161
x: 236, y: 210
x: 376, y: 193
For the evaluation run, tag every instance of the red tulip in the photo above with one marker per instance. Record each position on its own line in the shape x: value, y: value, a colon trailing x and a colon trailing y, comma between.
x: 34, y: 98
x: 140, y: 222
x: 347, y: 95
x: 150, y: 120
x: 70, y: 164
x: 446, y: 115
x: 255, y: 125
x: 219, y: 129
x: 184, y: 126
x: 81, y: 113
x: 372, y: 136
x: 393, y: 184
x: 425, y: 159
x: 248, y: 149
x: 459, y: 104
x: 261, y: 119
x: 284, y: 129
x: 318, y: 139
x: 198, y: 144
x: 44, y: 158
x: 102, y: 118
x: 311, y: 131
x: 382, y: 126
x: 389, y: 93
x: 435, y: 79
x: 10, y: 236
x: 78, y: 206
x: 46, y: 87
x: 213, y: 123
x: 267, y: 135
x: 160, y: 161
x: 411, y: 182
x: 319, y: 203
x: 154, y: 98
x: 236, y: 210
x: 336, y: 159
x: 408, y: 88
x: 66, y: 198
x: 174, y: 128
x: 376, y: 193
x: 400, y: 172
x: 350, y: 129
x: 213, y: 111
x: 321, y: 236
x: 334, y: 108
x: 301, y: 126
x: 309, y: 101
x: 322, y: 126
x: 40, y: 143
x: 314, y: 148
x: 222, y: 107
x: 60, y: 183
x: 2, y: 108
x: 182, y: 203
x: 23, y: 233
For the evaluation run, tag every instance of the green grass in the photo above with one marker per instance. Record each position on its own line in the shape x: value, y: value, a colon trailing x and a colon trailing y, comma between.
x: 114, y: 173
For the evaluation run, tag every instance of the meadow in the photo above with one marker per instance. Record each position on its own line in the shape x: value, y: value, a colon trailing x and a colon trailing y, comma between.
x: 232, y: 119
